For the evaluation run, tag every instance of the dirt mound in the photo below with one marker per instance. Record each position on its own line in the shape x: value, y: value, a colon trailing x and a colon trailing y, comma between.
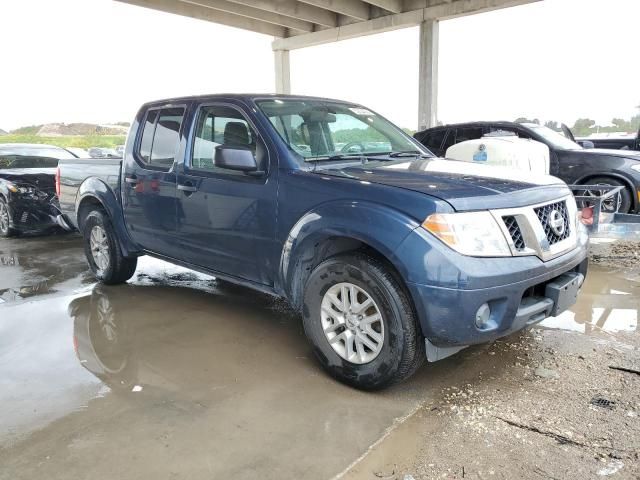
x: 62, y: 129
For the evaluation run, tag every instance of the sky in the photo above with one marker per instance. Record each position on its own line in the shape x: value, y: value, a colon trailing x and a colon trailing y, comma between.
x: 98, y: 60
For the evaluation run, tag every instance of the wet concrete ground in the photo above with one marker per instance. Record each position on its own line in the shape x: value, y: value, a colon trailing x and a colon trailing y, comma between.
x: 177, y: 376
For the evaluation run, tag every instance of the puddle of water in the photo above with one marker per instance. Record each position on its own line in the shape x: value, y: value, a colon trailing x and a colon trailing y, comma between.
x: 608, y: 302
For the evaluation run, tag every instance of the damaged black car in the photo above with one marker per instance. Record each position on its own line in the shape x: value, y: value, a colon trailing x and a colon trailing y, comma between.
x: 28, y: 201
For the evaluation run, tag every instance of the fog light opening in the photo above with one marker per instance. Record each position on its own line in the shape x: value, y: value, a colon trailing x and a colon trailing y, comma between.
x: 483, y: 317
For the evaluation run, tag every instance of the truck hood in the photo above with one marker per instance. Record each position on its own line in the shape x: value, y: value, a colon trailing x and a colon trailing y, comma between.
x: 41, y: 178
x: 464, y: 185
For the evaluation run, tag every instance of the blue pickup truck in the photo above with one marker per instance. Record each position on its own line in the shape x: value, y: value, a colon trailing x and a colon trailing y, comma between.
x: 390, y: 254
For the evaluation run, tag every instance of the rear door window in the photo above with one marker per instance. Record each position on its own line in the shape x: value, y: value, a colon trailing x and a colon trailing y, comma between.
x: 468, y: 133
x: 161, y: 137
x: 434, y: 140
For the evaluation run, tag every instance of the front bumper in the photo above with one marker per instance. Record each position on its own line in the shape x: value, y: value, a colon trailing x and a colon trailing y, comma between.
x: 448, y: 289
x: 448, y: 315
x: 29, y: 214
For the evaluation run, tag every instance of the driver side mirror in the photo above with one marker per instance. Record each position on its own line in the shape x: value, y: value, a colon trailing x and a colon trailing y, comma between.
x: 586, y: 144
x: 240, y: 159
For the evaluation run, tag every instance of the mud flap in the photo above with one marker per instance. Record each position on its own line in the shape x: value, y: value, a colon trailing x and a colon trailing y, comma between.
x: 435, y: 353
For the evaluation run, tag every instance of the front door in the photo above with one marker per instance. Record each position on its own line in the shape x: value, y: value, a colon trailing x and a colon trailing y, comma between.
x: 227, y: 219
x: 149, y: 184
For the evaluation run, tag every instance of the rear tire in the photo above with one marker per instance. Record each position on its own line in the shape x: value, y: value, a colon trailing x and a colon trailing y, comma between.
x: 353, y: 348
x: 103, y: 252
x: 5, y: 219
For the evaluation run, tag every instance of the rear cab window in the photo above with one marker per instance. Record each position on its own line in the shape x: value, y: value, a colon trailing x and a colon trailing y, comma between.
x: 160, y: 138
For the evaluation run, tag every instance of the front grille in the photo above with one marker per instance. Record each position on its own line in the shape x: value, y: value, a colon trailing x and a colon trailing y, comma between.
x: 515, y: 232
x: 544, y: 213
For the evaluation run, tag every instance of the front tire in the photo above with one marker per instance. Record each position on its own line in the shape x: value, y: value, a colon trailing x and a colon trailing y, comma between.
x: 103, y: 252
x: 5, y: 219
x: 620, y: 203
x: 361, y: 323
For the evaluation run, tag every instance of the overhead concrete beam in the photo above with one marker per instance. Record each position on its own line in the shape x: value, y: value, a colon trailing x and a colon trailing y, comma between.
x: 210, y: 15
x: 351, y: 8
x: 255, y: 13
x: 354, y: 30
x: 394, y: 6
x: 455, y: 8
x: 295, y: 9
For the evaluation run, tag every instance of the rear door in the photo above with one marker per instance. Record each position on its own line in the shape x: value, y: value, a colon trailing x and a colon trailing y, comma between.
x: 149, y: 183
x: 227, y: 219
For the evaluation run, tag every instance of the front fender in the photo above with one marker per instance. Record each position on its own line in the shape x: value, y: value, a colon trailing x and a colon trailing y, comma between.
x: 375, y: 225
x: 93, y: 190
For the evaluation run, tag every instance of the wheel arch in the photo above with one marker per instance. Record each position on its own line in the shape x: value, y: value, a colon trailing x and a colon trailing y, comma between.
x: 374, y: 229
x: 94, y: 193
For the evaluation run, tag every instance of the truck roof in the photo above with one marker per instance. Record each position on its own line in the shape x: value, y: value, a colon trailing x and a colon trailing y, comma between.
x: 242, y: 96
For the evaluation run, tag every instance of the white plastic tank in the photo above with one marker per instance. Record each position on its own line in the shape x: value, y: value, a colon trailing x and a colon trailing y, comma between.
x: 503, y: 151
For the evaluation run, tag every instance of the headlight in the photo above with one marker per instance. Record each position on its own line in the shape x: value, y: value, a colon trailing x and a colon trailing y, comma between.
x: 24, y: 190
x: 476, y: 234
x: 636, y: 167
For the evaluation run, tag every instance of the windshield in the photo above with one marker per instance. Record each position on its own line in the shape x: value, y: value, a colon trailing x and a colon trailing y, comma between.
x: 556, y: 139
x: 317, y: 129
x: 36, y: 151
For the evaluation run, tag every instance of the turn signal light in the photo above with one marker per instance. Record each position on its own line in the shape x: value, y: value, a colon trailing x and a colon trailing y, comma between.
x: 438, y: 225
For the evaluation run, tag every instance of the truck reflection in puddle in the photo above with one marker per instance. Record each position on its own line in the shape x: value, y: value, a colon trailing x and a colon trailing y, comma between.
x: 153, y: 334
x: 609, y: 302
x: 103, y: 339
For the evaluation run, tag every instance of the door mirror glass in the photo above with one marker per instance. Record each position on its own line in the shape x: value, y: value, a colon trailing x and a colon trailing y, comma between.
x: 235, y: 158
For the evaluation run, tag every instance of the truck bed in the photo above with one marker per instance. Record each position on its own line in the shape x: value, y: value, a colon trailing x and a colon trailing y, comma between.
x: 74, y: 172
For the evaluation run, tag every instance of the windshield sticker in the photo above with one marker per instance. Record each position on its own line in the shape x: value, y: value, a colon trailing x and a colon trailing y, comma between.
x: 361, y: 111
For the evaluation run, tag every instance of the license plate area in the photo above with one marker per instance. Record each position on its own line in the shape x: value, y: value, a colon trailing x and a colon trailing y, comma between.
x: 563, y: 290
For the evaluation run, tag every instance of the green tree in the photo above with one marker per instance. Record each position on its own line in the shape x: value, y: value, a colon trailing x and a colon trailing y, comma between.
x: 526, y: 120
x: 620, y: 124
x: 552, y: 125
x: 583, y: 126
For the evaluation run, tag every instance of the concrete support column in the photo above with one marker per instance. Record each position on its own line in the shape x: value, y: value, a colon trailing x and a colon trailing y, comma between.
x: 283, y: 71
x: 428, y: 81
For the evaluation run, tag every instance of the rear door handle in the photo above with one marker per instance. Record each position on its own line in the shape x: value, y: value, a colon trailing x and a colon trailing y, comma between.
x: 187, y: 188
x: 133, y: 181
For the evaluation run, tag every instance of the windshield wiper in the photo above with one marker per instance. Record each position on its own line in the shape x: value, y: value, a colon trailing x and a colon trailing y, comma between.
x: 342, y: 156
x: 407, y: 153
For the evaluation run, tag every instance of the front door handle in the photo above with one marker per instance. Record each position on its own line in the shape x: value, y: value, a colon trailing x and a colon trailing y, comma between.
x: 187, y: 188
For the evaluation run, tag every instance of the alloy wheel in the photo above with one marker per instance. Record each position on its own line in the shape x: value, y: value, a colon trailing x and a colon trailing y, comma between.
x: 99, y: 247
x: 4, y: 217
x: 352, y: 323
